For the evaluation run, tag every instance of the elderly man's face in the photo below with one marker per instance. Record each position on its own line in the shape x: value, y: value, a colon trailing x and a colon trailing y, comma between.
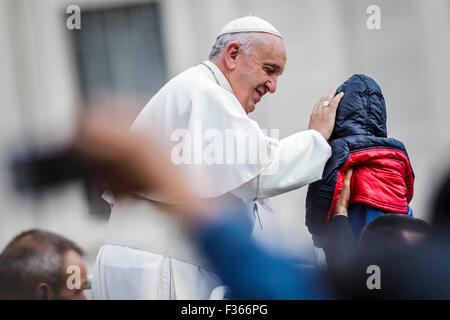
x: 257, y: 73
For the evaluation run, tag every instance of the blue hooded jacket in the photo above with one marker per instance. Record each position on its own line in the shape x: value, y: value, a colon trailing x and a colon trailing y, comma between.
x: 382, y: 180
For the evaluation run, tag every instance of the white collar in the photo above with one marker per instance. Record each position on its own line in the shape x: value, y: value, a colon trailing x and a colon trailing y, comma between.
x: 218, y: 75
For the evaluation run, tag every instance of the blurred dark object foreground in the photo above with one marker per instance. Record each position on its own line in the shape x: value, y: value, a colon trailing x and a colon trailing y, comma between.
x: 36, y: 171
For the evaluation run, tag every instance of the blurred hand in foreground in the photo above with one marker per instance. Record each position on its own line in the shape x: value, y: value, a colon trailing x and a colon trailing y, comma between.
x: 130, y: 162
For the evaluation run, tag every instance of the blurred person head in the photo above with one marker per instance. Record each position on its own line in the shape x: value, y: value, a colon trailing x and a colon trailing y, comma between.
x: 393, y: 231
x: 251, y: 61
x: 37, y: 264
x: 389, y: 244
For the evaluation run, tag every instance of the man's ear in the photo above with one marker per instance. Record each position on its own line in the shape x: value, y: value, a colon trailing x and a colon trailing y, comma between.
x: 231, y: 54
x: 44, y: 291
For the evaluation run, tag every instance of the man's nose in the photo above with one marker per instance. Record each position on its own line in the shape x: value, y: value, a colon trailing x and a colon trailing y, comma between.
x: 272, y: 85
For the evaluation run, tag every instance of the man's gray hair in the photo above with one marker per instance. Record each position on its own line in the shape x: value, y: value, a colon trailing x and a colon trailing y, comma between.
x: 32, y: 257
x: 247, y: 40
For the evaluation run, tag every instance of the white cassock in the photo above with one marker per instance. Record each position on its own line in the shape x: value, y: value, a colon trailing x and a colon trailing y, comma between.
x: 147, y: 254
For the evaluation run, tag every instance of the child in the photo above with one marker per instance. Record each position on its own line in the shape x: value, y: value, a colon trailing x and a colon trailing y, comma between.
x: 382, y: 180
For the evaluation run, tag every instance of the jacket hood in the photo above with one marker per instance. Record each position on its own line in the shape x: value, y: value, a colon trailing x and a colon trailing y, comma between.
x: 362, y: 110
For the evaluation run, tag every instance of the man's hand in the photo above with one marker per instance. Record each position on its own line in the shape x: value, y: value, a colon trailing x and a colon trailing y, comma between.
x: 344, y: 197
x: 322, y: 118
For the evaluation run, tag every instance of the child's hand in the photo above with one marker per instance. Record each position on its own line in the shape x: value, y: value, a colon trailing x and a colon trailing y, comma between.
x: 344, y: 197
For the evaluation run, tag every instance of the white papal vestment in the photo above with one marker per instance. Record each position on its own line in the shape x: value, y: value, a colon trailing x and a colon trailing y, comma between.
x: 147, y: 254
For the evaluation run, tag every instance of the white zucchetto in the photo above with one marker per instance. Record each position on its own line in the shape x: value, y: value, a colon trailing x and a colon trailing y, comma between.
x: 248, y: 24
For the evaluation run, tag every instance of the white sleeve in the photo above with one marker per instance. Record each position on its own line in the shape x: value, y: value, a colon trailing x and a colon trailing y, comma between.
x: 300, y: 161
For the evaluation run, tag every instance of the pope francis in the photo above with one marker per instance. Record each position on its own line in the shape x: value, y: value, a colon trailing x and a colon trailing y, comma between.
x: 147, y: 254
